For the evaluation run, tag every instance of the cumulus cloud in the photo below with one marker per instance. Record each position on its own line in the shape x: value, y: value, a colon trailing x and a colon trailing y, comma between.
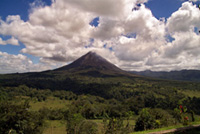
x: 106, y: 8
x: 37, y: 4
x: 107, y: 29
x: 183, y: 51
x: 100, y: 7
x: 149, y: 36
x: 50, y: 32
x: 185, y: 19
x: 18, y: 63
x: 11, y: 41
x: 128, y: 34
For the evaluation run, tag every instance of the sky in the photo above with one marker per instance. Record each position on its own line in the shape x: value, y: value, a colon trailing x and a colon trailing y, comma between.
x: 157, y: 35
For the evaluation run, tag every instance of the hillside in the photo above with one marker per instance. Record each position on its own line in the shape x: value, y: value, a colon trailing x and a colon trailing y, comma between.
x: 183, y: 75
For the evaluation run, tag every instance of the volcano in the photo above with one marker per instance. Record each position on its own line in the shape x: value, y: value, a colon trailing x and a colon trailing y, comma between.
x: 90, y: 68
x: 91, y: 62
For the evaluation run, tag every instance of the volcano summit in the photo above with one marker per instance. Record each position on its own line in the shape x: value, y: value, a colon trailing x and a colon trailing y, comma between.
x: 91, y: 62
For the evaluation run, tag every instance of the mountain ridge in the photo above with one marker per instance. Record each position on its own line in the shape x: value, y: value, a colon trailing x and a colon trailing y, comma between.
x: 182, y: 75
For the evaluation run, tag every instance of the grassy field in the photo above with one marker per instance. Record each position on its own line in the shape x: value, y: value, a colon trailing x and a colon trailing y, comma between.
x: 158, y: 130
x: 168, y: 128
x: 191, y: 93
x: 55, y: 127
x: 59, y: 126
x: 51, y: 103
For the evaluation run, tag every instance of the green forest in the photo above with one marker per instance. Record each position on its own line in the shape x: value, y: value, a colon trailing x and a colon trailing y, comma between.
x: 94, y: 105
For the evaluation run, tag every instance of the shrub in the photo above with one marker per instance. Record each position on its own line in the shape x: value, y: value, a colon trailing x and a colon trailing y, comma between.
x: 18, y: 119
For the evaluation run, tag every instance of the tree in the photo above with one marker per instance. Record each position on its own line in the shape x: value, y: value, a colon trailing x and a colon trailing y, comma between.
x: 177, y: 116
x: 162, y: 117
x: 18, y: 119
x: 145, y: 121
x: 114, y: 126
x: 88, y: 127
x: 73, y: 122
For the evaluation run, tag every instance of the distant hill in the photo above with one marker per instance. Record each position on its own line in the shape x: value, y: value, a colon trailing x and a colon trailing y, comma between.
x: 183, y: 75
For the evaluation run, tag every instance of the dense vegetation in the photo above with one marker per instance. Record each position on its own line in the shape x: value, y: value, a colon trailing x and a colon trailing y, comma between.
x: 155, y: 108
x: 18, y: 119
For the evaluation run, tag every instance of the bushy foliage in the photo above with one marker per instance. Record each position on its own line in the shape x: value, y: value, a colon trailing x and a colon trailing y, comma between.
x: 74, y: 121
x: 162, y: 117
x: 52, y: 114
x: 88, y: 127
x: 40, y: 95
x: 17, y: 118
x: 117, y: 126
x: 153, y: 118
x: 110, y: 99
x: 145, y: 121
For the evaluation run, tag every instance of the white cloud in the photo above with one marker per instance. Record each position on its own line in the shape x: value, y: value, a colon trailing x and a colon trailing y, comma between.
x: 185, y: 19
x: 59, y: 34
x: 187, y: 43
x: 150, y: 35
x: 108, y: 29
x: 37, y: 4
x: 50, y: 32
x: 100, y: 7
x: 18, y: 63
x: 11, y: 41
x: 105, y: 8
x: 183, y: 51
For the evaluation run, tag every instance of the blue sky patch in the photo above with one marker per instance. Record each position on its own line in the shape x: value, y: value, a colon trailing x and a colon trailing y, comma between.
x: 95, y: 22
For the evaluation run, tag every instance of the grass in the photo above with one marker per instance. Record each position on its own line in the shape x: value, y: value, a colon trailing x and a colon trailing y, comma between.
x: 165, y: 128
x: 59, y: 126
x: 52, y: 126
x: 51, y: 103
x: 55, y: 127
x: 131, y: 122
x: 191, y: 93
x: 157, y: 130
